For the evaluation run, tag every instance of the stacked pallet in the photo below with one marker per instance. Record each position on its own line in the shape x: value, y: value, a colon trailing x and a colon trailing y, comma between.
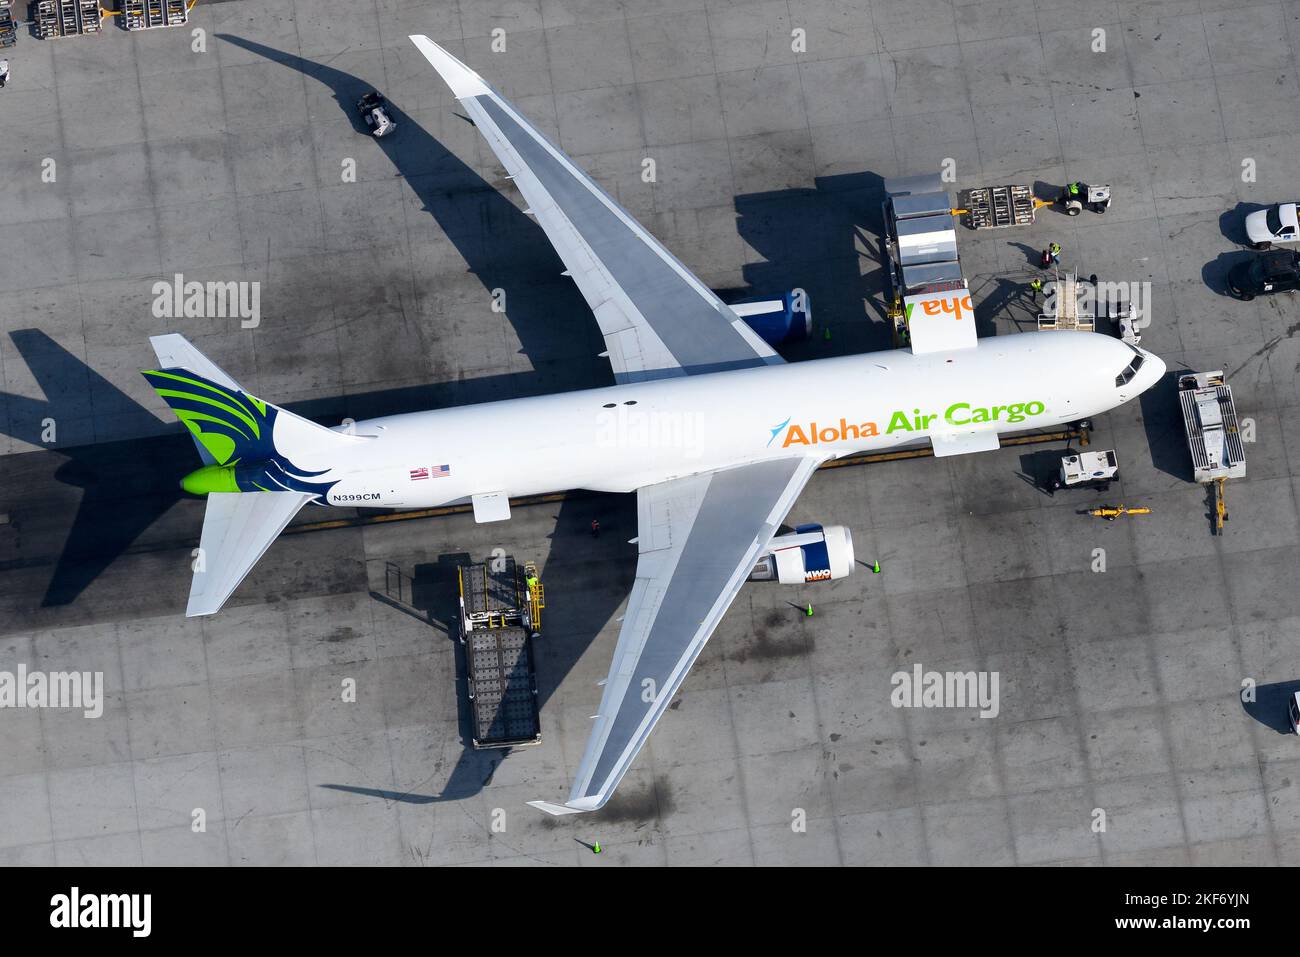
x: 66, y: 18
x: 8, y: 33
x: 996, y: 207
x: 149, y: 14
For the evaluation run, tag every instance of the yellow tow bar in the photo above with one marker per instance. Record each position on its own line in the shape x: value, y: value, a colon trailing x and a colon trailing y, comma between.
x: 1220, y: 504
x: 1112, y: 512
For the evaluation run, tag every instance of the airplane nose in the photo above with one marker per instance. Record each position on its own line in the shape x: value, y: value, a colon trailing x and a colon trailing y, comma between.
x: 1157, y: 366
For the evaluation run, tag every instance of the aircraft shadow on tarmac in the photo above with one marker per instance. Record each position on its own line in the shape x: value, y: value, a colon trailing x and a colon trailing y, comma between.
x: 600, y: 570
x: 502, y: 246
x: 825, y: 240
x: 126, y: 486
x: 822, y: 240
x: 1162, y: 421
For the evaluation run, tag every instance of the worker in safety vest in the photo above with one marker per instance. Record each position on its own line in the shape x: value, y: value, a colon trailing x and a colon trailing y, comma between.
x: 1036, y: 287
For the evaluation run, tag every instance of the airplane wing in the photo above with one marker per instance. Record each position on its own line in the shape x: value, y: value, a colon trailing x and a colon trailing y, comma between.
x: 657, y: 318
x: 700, y: 537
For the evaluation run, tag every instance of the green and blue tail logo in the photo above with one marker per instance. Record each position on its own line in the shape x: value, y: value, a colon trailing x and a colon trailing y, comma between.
x: 236, y: 431
x: 232, y: 426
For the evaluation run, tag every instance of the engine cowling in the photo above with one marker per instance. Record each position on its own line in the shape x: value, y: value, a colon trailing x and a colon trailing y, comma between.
x: 808, y: 554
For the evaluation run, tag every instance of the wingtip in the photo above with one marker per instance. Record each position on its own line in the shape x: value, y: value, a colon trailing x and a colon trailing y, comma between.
x: 463, y: 81
x: 555, y: 810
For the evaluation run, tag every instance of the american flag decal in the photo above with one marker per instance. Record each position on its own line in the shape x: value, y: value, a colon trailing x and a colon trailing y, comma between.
x: 430, y: 471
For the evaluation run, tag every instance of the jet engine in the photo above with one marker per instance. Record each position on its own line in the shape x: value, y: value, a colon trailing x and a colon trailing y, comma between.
x: 810, y: 553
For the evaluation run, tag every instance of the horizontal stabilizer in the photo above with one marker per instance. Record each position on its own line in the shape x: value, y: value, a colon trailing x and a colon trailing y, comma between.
x: 238, y: 528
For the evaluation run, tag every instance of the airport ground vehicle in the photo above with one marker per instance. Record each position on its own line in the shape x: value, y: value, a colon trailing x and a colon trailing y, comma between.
x: 374, y: 110
x: 995, y: 207
x: 1275, y: 271
x: 1213, y: 436
x: 1077, y: 196
x: 1277, y: 224
x: 1086, y: 470
x: 500, y: 615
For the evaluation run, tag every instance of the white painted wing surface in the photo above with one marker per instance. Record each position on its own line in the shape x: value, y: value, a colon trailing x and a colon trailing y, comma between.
x: 657, y: 318
x: 699, y: 539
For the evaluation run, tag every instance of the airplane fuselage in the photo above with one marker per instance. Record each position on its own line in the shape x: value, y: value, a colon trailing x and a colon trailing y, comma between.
x: 623, y: 437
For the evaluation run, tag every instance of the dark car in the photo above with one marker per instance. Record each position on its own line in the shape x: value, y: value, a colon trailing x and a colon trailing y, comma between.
x: 1277, y: 271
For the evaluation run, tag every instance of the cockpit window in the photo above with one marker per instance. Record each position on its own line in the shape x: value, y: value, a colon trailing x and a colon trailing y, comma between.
x: 1125, y: 377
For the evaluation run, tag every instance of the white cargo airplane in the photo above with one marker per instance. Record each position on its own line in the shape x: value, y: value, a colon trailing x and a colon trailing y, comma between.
x: 711, y: 429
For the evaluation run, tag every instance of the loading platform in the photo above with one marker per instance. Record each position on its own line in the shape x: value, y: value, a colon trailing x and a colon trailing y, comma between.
x: 996, y: 207
x: 150, y: 14
x: 500, y: 611
x: 66, y: 18
x: 8, y: 31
